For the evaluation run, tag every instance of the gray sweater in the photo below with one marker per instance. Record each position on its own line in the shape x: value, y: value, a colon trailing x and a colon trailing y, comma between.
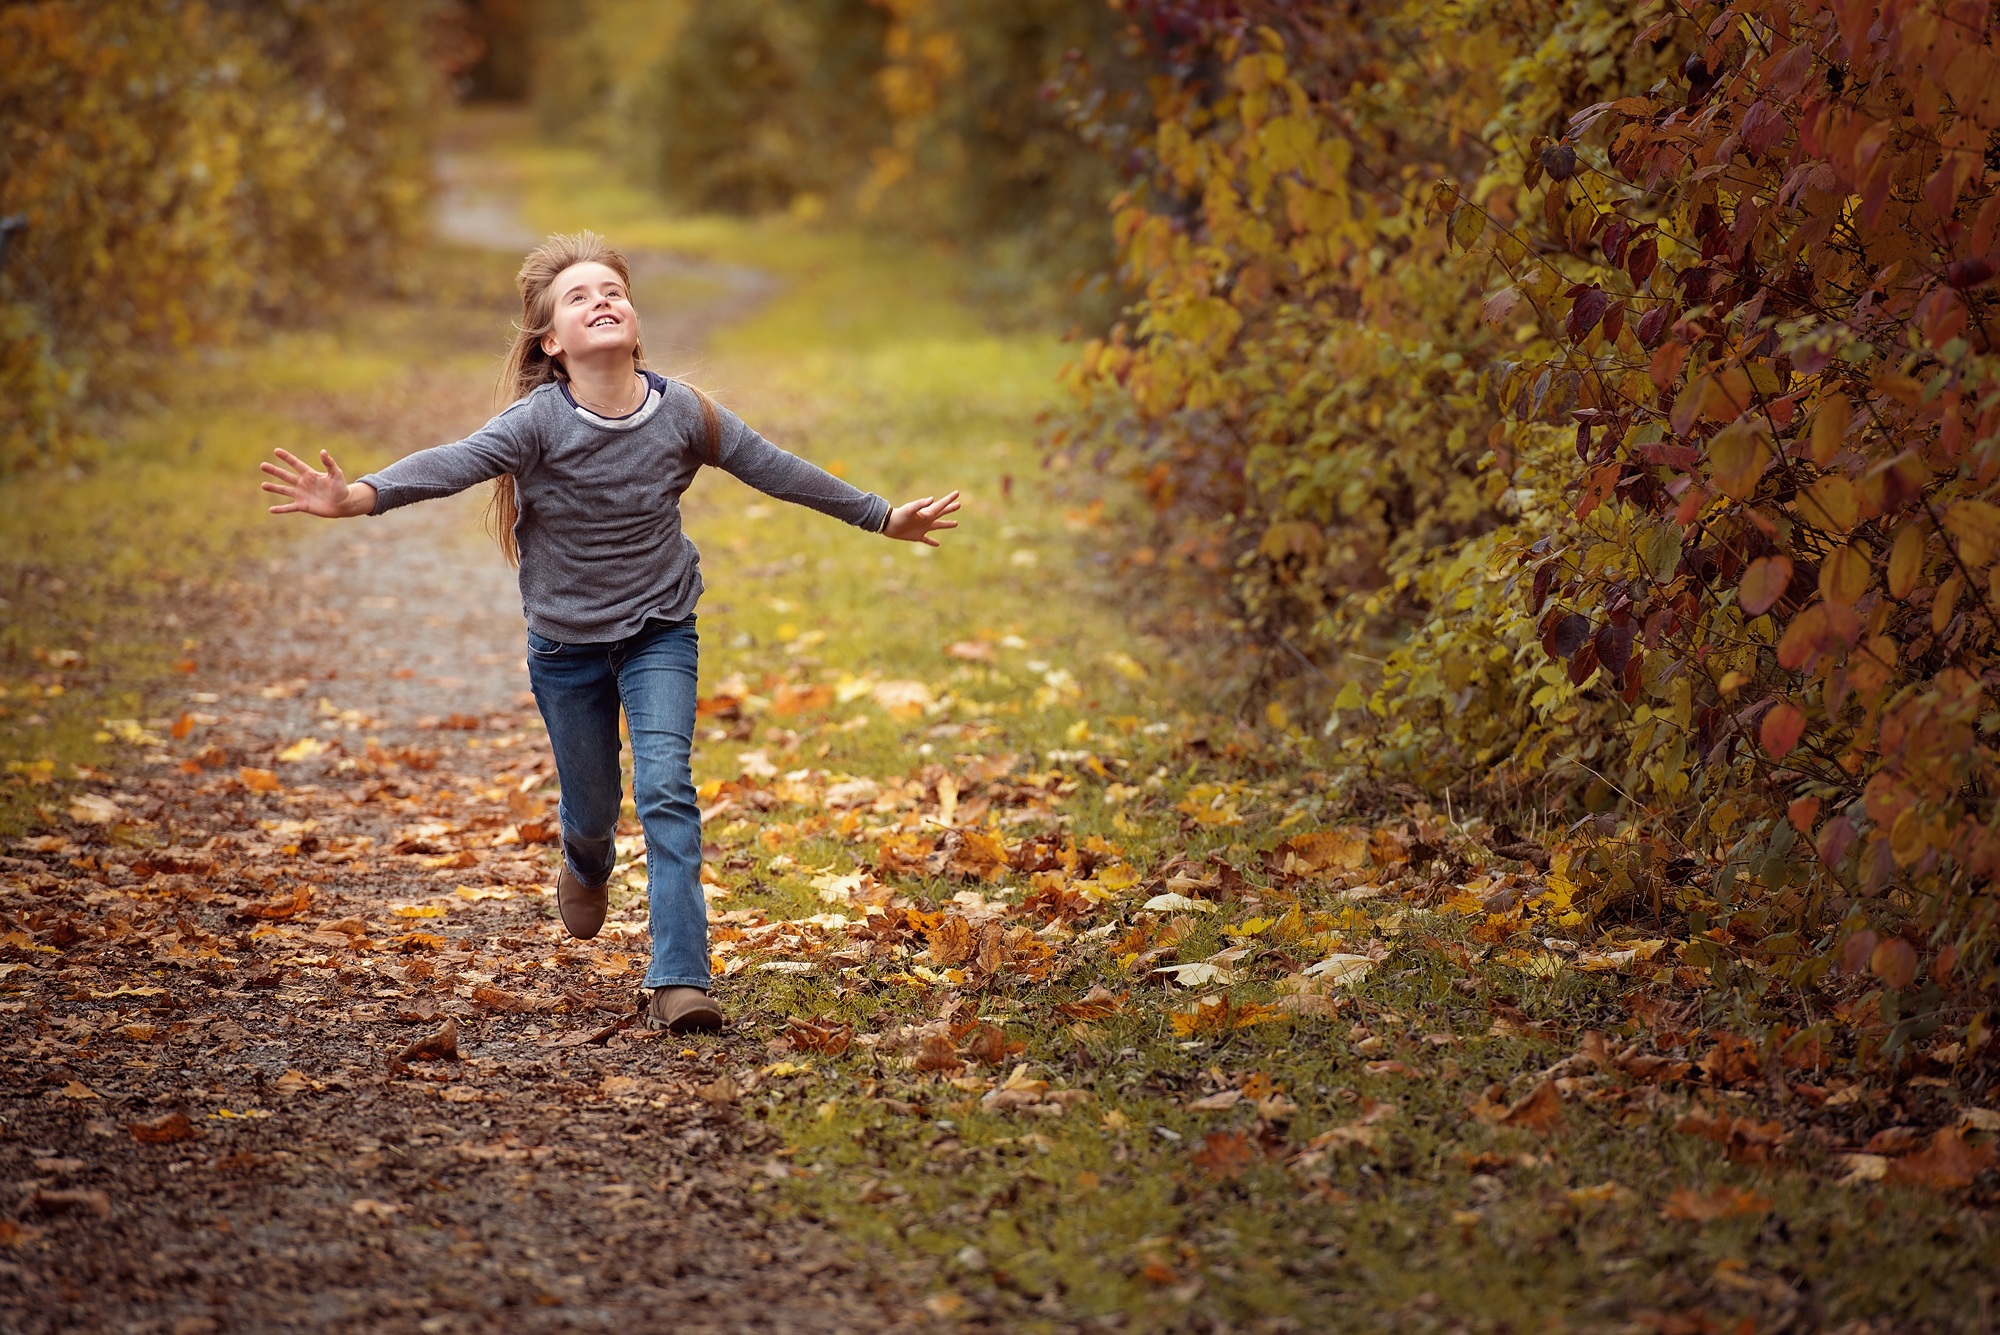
x: 602, y: 550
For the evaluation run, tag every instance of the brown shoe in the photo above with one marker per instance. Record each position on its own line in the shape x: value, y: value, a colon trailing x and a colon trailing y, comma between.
x: 681, y: 1009
x: 582, y: 906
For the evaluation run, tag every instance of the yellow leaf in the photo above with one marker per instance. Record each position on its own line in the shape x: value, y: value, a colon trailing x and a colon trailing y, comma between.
x: 305, y: 748
x: 1117, y: 876
x: 1829, y: 428
x: 1831, y: 503
x: 1906, y: 560
x: 1947, y: 600
x: 1843, y: 576
x: 1737, y: 457
x: 1976, y: 525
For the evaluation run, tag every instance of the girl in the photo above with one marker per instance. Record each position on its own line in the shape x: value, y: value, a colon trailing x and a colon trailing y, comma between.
x: 589, y: 461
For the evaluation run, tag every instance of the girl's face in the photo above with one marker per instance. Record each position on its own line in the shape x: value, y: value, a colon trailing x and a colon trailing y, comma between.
x: 593, y: 314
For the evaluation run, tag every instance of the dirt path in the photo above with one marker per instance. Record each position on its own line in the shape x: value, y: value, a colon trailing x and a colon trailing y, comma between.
x: 207, y: 1126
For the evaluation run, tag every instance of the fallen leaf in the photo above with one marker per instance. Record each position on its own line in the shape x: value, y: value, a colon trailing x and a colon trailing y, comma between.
x: 298, y: 902
x: 70, y: 1200
x: 305, y: 748
x: 832, y: 1040
x: 937, y: 1054
x: 989, y: 1043
x: 1095, y: 1004
x: 951, y: 940
x: 77, y: 1090
x: 1221, y: 1102
x: 1340, y: 970
x: 1198, y: 975
x: 1224, y: 1154
x: 1176, y: 903
x: 1946, y: 1164
x: 498, y: 999
x: 1538, y: 1111
x: 440, y: 1046
x: 164, y: 1130
x: 1863, y: 1168
x: 259, y: 780
x: 1722, y: 1203
x: 94, y: 809
x: 1747, y: 1141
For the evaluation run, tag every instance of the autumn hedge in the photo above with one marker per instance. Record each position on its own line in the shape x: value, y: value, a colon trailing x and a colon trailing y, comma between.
x: 181, y: 167
x: 1629, y: 372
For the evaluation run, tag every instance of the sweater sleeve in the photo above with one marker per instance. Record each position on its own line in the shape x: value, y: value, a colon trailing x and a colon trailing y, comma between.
x: 503, y: 445
x: 780, y: 474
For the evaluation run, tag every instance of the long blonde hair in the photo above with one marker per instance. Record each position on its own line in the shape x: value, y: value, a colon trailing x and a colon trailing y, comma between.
x: 528, y: 367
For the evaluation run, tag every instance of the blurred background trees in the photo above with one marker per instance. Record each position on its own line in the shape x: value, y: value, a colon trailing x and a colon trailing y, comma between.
x: 183, y: 168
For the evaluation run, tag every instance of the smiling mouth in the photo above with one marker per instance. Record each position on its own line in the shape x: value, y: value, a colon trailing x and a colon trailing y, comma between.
x: 603, y: 320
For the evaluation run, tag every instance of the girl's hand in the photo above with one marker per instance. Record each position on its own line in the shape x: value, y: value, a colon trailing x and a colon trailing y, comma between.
x: 915, y: 521
x: 312, y: 492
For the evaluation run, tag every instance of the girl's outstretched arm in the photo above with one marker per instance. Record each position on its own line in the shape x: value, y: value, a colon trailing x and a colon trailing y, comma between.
x: 308, y: 491
x: 914, y: 521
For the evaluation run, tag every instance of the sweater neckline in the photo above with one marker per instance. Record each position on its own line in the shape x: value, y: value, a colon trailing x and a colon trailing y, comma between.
x: 655, y: 395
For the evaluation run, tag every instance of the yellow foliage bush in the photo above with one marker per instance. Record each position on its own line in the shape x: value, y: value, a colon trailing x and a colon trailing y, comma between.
x: 181, y: 167
x: 1639, y: 362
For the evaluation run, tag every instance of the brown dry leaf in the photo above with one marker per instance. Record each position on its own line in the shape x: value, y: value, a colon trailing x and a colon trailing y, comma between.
x: 1539, y: 1111
x: 538, y: 831
x: 1948, y: 1163
x: 298, y: 902
x: 1221, y: 1102
x: 1747, y: 1141
x: 259, y: 780
x: 936, y: 1054
x: 13, y: 1234
x: 988, y: 1043
x: 951, y: 941
x: 992, y: 953
x: 1225, y: 1154
x: 1095, y: 1004
x: 440, y: 1046
x: 164, y: 1130
x: 292, y: 1082
x: 1722, y: 1203
x: 1650, y: 1067
x: 720, y: 1092
x: 1323, y: 850
x: 1732, y: 1061
x: 68, y: 1201
x: 980, y: 854
x: 829, y: 1039
x: 77, y: 1090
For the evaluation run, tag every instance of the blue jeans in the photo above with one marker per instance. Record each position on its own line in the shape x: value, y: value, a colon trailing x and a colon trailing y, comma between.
x: 580, y: 688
